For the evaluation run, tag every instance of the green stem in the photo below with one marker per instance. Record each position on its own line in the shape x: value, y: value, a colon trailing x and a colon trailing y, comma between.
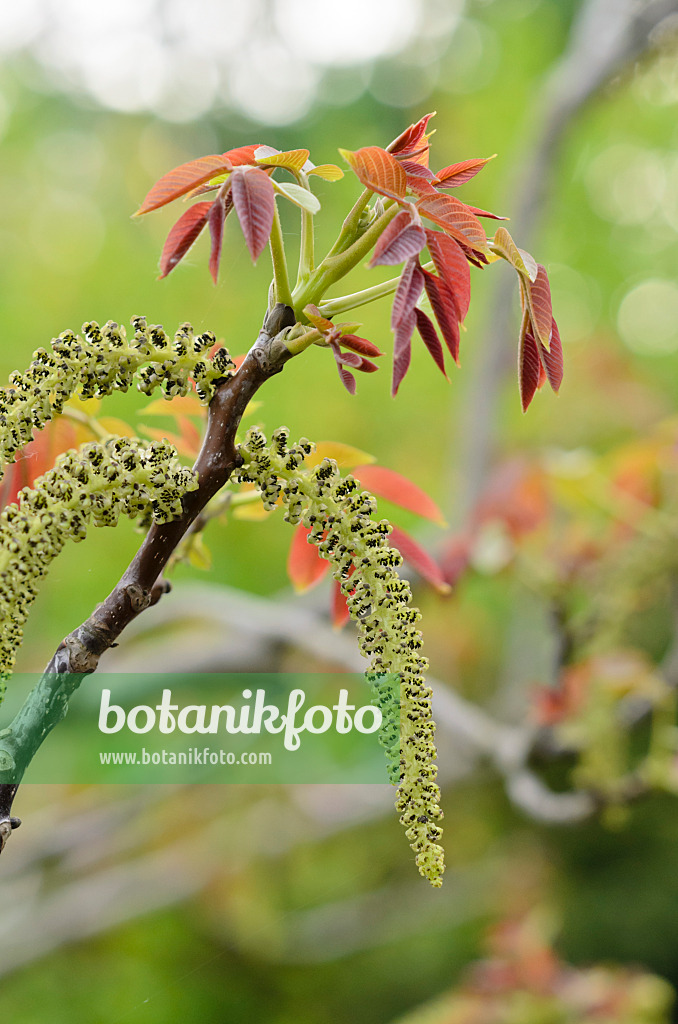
x: 343, y: 303
x: 307, y: 250
x: 304, y: 341
x: 349, y: 229
x: 280, y: 276
x: 336, y: 267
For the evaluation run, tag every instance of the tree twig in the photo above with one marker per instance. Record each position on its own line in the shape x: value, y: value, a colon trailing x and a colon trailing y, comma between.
x: 141, y: 584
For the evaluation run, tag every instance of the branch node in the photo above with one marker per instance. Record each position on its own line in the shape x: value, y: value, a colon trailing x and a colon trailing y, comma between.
x: 139, y: 598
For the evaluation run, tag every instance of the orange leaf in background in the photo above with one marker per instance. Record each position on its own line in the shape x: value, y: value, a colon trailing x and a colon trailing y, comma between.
x: 517, y: 494
x: 36, y: 458
x: 419, y: 559
x: 188, y: 405
x: 553, y: 704
x: 345, y: 455
x: 116, y: 427
x: 181, y: 180
x: 339, y: 610
x: 386, y: 483
x: 635, y: 470
x: 305, y: 567
x: 377, y: 170
x: 187, y: 442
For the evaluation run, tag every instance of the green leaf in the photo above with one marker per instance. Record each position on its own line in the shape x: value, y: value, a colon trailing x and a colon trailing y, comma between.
x: 299, y: 196
x: 292, y: 160
x: 328, y: 172
x: 504, y: 246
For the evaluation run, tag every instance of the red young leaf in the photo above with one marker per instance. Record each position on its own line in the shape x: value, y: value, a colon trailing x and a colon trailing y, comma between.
x: 485, y: 213
x: 416, y: 170
x: 361, y: 345
x: 408, y: 291
x: 186, y: 443
x: 553, y: 360
x: 305, y: 567
x: 540, y: 305
x: 351, y: 359
x: 446, y: 312
x: 377, y: 170
x: 400, y: 240
x: 216, y: 219
x: 430, y: 338
x: 181, y: 180
x: 367, y: 366
x: 529, y: 364
x: 478, y: 259
x: 242, y: 155
x: 455, y: 218
x: 347, y: 379
x: 317, y: 319
x: 340, y: 612
x: 254, y: 201
x: 419, y: 559
x: 344, y: 359
x: 402, y: 349
x: 182, y: 236
x: 457, y: 174
x: 452, y: 266
x: 386, y: 483
x: 420, y: 187
x: 412, y: 139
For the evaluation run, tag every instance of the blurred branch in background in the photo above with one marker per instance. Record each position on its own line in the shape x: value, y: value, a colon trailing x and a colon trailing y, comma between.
x: 606, y: 36
x: 210, y: 628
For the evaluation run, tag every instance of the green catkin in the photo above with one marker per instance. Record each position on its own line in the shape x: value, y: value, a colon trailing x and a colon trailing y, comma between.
x: 101, y: 482
x: 100, y: 361
x: 339, y: 516
x: 96, y: 484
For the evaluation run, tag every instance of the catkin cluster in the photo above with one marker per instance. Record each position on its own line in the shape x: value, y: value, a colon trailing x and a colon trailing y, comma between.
x: 100, y: 361
x: 96, y: 484
x: 339, y: 516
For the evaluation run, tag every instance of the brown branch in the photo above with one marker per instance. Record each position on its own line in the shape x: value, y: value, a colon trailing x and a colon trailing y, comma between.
x: 141, y: 585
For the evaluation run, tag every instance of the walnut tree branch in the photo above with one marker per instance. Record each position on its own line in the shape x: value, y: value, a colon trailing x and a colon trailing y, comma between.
x: 141, y: 585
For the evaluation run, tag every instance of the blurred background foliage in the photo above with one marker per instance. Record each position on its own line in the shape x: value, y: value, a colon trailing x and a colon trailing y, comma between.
x: 300, y: 904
